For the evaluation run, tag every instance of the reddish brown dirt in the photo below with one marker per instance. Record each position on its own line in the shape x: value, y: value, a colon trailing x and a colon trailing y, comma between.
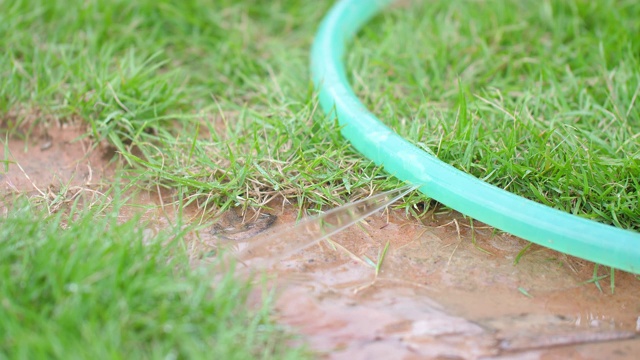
x: 439, y: 296
x: 50, y: 160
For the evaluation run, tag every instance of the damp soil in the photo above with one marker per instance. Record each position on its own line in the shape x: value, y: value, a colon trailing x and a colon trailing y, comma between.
x: 446, y: 288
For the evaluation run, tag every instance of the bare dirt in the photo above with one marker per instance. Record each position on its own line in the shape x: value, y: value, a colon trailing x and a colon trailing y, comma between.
x: 50, y: 160
x: 445, y: 289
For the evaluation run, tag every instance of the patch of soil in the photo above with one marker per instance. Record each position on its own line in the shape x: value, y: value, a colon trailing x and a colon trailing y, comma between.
x: 234, y: 225
x: 449, y: 291
x: 52, y: 159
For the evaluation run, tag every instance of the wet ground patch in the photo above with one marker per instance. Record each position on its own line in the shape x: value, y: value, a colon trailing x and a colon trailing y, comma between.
x: 447, y: 289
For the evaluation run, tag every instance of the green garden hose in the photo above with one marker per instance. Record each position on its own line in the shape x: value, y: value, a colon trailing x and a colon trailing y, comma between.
x: 535, y: 222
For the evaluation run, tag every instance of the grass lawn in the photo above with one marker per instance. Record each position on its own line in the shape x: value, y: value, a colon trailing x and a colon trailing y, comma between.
x: 86, y: 285
x: 537, y: 97
x: 213, y: 99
